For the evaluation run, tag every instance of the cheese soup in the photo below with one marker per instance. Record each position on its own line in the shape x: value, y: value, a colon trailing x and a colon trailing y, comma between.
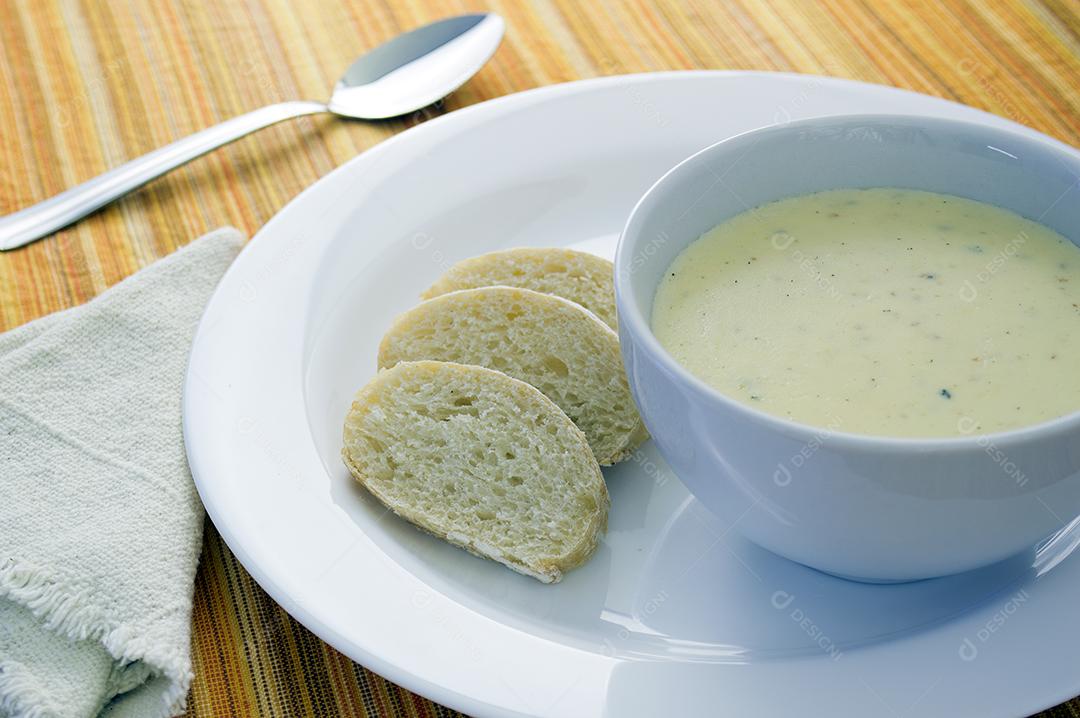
x: 881, y: 311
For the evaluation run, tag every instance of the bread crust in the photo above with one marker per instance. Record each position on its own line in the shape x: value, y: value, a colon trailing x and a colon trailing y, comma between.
x: 581, y: 277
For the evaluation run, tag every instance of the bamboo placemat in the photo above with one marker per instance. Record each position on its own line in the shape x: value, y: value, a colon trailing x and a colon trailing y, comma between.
x: 85, y: 84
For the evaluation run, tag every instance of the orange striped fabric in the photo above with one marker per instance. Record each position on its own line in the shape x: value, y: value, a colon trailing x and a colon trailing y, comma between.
x: 85, y: 84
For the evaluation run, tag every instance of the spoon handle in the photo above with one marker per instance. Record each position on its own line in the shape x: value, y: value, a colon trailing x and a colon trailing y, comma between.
x: 45, y: 217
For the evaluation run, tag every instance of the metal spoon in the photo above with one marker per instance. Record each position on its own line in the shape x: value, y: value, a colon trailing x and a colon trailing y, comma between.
x: 409, y: 72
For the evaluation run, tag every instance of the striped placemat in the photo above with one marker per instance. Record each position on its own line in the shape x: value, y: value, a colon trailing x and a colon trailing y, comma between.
x: 86, y: 84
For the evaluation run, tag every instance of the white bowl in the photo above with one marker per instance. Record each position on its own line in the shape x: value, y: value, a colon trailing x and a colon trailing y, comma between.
x: 864, y: 507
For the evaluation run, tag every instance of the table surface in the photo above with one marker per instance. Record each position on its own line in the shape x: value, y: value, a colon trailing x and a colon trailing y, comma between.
x: 86, y: 84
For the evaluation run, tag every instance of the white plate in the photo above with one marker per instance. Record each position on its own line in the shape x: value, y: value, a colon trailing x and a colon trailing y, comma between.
x: 675, y: 612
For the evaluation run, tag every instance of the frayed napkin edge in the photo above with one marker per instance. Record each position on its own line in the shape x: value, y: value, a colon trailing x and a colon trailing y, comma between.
x: 63, y: 610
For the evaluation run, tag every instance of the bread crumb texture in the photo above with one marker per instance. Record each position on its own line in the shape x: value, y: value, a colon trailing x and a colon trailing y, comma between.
x: 552, y: 343
x: 482, y: 460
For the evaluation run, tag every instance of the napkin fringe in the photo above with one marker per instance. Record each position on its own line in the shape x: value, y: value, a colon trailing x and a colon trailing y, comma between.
x: 67, y: 612
x: 19, y: 694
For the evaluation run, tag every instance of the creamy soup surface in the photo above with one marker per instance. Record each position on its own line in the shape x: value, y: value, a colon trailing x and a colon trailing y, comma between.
x: 881, y: 311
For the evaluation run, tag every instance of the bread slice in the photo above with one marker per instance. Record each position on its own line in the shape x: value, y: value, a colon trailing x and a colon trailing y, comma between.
x: 578, y: 276
x: 552, y: 343
x: 482, y: 460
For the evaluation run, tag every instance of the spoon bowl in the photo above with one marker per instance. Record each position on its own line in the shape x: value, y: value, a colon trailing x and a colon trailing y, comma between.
x: 416, y: 69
